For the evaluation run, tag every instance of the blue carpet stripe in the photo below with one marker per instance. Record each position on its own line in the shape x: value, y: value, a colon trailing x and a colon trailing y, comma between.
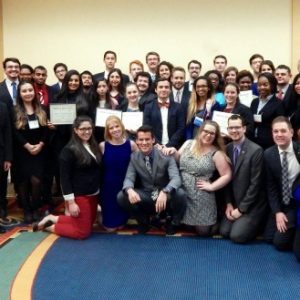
x: 154, y: 267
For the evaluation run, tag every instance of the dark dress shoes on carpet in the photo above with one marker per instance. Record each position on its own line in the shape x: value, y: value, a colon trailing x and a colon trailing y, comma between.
x: 36, y: 227
x: 3, y: 213
x: 2, y: 229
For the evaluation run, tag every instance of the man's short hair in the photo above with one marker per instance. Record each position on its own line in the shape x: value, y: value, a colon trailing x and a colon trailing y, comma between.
x: 13, y: 59
x: 220, y: 56
x: 145, y: 129
x: 282, y: 119
x: 26, y: 66
x: 181, y: 69
x: 86, y: 72
x: 152, y: 53
x: 143, y: 74
x: 235, y: 117
x: 194, y: 61
x: 110, y: 52
x: 39, y: 68
x: 57, y: 65
x: 254, y: 56
x: 285, y: 67
x: 161, y: 79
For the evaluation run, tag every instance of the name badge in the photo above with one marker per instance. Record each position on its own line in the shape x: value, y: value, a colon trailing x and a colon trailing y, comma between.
x: 257, y: 118
x: 34, y: 124
x: 198, y: 121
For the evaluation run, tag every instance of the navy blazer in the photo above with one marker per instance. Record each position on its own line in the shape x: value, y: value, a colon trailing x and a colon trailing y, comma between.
x: 152, y: 117
x: 274, y: 181
x: 263, y: 130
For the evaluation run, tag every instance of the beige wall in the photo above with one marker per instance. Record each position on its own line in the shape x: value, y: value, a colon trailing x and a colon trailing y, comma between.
x: 79, y: 31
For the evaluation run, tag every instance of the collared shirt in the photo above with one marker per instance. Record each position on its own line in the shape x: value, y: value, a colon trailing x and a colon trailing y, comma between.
x: 237, y: 146
x: 293, y: 164
x: 191, y: 83
x: 42, y: 94
x: 283, y: 90
x: 106, y: 74
x: 262, y: 103
x: 175, y: 91
x: 164, y: 118
x: 10, y: 88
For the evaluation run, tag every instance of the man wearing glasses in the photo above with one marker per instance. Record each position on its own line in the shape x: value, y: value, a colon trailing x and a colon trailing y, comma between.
x: 246, y: 207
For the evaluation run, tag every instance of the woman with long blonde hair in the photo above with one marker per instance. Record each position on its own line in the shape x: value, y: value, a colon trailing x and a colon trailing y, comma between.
x: 198, y: 160
x: 30, y: 136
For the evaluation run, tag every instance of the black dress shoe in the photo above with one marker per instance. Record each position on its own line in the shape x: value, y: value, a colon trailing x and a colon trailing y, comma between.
x: 2, y: 229
x: 36, y: 227
x: 143, y: 224
x: 28, y: 217
x: 3, y: 213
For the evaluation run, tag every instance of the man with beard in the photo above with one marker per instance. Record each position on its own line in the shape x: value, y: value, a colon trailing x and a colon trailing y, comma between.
x: 194, y: 69
x: 143, y: 82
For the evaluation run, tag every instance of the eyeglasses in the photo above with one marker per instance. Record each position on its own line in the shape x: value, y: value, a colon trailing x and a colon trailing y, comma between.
x: 85, y: 129
x: 209, y: 132
x: 231, y: 128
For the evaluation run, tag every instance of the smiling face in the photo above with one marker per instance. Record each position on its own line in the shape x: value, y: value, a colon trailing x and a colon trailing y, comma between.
x: 115, y: 130
x: 236, y: 130
x: 231, y: 77
x: 283, y: 76
x: 132, y: 93
x: 152, y: 62
x: 245, y: 83
x: 40, y: 76
x: 231, y: 94
x: 202, y: 88
x: 114, y: 79
x: 163, y: 90
x: 134, y: 69
x: 145, y: 142
x: 12, y: 70
x: 264, y: 87
x: 194, y: 70
x: 207, y: 135
x: 142, y: 84
x: 74, y: 83
x: 178, y: 79
x: 164, y: 72
x: 266, y: 69
x: 84, y: 131
x: 27, y: 92
x: 282, y: 134
x: 297, y: 86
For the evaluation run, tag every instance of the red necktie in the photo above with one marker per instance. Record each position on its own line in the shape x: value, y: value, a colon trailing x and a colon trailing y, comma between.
x: 166, y: 104
x: 280, y: 94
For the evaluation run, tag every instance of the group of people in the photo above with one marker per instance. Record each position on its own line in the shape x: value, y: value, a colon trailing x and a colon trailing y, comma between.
x: 178, y: 166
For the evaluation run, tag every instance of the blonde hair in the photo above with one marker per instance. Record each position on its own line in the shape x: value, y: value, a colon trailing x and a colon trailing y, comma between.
x: 107, y: 135
x: 218, y: 140
x: 193, y: 106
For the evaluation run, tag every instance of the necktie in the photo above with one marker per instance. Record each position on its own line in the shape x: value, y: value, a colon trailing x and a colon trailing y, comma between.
x: 14, y: 90
x: 41, y: 97
x: 285, y: 179
x: 148, y: 164
x: 177, y: 98
x: 165, y: 104
x: 236, y: 153
x: 280, y: 94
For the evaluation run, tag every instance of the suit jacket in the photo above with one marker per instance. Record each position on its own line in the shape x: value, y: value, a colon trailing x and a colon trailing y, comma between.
x: 145, y: 99
x: 55, y: 88
x: 6, y: 98
x: 244, y: 191
x: 152, y: 117
x: 287, y: 101
x: 100, y: 76
x: 263, y: 131
x: 273, y: 169
x: 184, y: 99
x: 165, y: 172
x: 5, y: 135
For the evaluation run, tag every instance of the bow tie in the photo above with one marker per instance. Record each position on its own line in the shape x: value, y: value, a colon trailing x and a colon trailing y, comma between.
x: 166, y: 104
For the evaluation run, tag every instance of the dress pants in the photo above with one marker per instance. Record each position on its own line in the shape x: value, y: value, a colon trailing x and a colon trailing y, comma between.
x: 79, y: 227
x: 297, y: 244
x: 3, y: 190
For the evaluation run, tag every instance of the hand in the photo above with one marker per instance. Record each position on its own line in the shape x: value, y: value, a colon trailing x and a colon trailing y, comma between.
x: 168, y: 150
x: 74, y: 209
x: 236, y: 214
x: 229, y: 209
x: 133, y: 196
x: 159, y: 147
x: 281, y: 221
x: 6, y: 166
x: 67, y: 212
x: 37, y: 149
x: 50, y: 125
x: 204, y: 185
x: 161, y: 202
x: 29, y: 147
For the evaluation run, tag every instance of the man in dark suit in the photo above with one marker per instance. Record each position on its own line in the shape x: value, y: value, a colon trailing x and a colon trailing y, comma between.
x: 152, y: 61
x: 110, y: 59
x: 60, y: 70
x: 143, y: 82
x: 194, y: 69
x: 282, y: 162
x: 5, y: 158
x: 180, y: 93
x: 246, y: 206
x: 166, y: 117
x: 152, y: 185
x: 284, y: 88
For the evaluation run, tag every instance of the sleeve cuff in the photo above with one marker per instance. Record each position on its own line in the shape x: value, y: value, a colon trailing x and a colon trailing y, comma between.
x: 69, y: 197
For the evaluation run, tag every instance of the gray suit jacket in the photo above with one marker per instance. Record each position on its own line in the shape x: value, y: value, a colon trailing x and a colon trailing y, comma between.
x: 165, y: 173
x: 244, y: 191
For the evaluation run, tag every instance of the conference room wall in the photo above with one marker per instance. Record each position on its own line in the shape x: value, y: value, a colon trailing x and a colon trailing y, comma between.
x: 78, y: 32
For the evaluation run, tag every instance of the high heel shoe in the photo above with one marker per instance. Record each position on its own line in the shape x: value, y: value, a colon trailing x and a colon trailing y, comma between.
x: 36, y: 227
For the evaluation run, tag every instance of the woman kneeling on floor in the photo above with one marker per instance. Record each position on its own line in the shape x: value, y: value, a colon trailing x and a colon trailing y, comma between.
x: 80, y: 177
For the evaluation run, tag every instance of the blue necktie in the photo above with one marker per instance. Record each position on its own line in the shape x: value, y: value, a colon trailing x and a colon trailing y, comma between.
x: 14, y: 90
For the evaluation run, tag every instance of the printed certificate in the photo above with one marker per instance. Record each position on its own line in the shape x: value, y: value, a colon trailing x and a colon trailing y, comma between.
x: 62, y: 114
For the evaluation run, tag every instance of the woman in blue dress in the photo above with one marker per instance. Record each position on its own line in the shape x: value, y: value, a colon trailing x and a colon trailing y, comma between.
x: 116, y: 152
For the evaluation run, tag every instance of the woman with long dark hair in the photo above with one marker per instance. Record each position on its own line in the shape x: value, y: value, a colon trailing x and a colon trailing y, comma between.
x: 80, y: 176
x: 30, y: 137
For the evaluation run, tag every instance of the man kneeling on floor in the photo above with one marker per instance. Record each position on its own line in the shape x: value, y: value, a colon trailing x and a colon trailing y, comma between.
x: 152, y: 185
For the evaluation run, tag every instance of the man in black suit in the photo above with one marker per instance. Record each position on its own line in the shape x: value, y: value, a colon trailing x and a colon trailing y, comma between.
x: 284, y: 88
x: 282, y: 162
x: 152, y: 61
x: 246, y: 206
x: 194, y: 69
x: 60, y: 70
x: 180, y: 93
x: 110, y: 59
x: 5, y: 158
x: 143, y: 82
x: 152, y: 185
x: 166, y: 117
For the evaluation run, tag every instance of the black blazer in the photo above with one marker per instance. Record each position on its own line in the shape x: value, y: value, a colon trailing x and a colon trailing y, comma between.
x: 273, y: 171
x: 5, y: 135
x: 145, y: 99
x: 6, y: 98
x: 263, y: 131
x: 55, y: 89
x: 287, y: 101
x: 152, y: 117
x: 244, y: 191
x: 245, y: 112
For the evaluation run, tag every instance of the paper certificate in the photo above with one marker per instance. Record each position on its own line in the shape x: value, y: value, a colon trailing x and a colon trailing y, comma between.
x: 246, y: 97
x: 221, y: 118
x: 132, y: 120
x: 103, y: 114
x: 62, y: 114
